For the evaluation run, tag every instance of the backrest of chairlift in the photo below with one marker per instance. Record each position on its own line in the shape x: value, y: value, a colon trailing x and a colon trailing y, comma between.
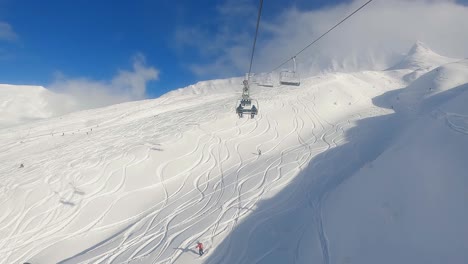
x: 290, y: 77
x: 246, y: 102
x: 268, y: 81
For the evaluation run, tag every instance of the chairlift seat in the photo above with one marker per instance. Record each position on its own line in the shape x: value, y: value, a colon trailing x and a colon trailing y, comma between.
x: 265, y: 84
x: 247, y: 110
x: 266, y: 80
x: 289, y: 78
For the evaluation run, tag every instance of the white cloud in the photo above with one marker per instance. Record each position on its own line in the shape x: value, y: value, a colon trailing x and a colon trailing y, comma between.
x: 374, y: 38
x: 125, y: 86
x: 7, y: 33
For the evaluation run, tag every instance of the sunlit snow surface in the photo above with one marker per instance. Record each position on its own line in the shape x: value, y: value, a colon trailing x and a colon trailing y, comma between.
x: 365, y: 167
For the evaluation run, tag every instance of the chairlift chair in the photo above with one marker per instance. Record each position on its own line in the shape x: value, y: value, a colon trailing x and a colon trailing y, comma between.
x: 267, y: 81
x: 290, y: 77
x: 249, y: 107
x: 252, y: 78
x: 246, y: 105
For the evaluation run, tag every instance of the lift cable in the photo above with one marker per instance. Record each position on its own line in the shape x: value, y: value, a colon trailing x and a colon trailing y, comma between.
x: 313, y: 42
x: 255, y: 39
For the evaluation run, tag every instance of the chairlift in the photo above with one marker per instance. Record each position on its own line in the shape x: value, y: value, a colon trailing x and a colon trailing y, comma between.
x: 249, y: 107
x: 267, y: 81
x: 252, y: 78
x: 288, y: 77
x: 246, y: 105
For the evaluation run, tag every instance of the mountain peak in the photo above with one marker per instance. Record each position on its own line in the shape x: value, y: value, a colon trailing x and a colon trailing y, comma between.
x: 420, y: 56
x: 420, y: 48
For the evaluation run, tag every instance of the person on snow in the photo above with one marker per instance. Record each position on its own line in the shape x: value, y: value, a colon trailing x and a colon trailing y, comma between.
x: 200, y: 248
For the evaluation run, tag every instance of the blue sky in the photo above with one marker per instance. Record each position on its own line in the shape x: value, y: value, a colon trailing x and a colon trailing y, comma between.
x: 186, y: 41
x: 94, y: 39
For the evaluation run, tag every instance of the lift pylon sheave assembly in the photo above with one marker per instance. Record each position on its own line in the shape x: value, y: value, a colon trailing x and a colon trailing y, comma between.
x: 246, y: 105
x: 290, y: 77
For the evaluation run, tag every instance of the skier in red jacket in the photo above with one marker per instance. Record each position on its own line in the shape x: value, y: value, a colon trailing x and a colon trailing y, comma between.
x: 200, y: 248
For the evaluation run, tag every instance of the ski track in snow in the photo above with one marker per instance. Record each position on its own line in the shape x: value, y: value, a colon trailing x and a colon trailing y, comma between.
x: 458, y: 123
x: 212, y: 184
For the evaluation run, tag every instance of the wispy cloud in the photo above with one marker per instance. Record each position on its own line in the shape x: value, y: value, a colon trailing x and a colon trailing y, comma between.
x: 374, y: 38
x: 124, y: 86
x: 7, y: 33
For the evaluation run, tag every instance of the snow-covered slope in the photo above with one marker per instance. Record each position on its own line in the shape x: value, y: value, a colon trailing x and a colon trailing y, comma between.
x: 409, y: 204
x: 351, y: 165
x: 22, y: 104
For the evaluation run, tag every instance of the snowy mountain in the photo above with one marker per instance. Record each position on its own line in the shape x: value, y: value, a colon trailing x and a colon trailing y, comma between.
x: 365, y: 167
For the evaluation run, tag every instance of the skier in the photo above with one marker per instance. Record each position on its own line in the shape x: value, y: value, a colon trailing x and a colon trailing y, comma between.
x: 259, y: 152
x: 200, y: 248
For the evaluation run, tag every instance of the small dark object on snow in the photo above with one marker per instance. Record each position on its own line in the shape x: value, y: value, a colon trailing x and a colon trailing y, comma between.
x: 22, y: 165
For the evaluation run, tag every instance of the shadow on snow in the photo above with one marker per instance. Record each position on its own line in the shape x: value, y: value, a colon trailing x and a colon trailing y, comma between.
x: 288, y: 228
